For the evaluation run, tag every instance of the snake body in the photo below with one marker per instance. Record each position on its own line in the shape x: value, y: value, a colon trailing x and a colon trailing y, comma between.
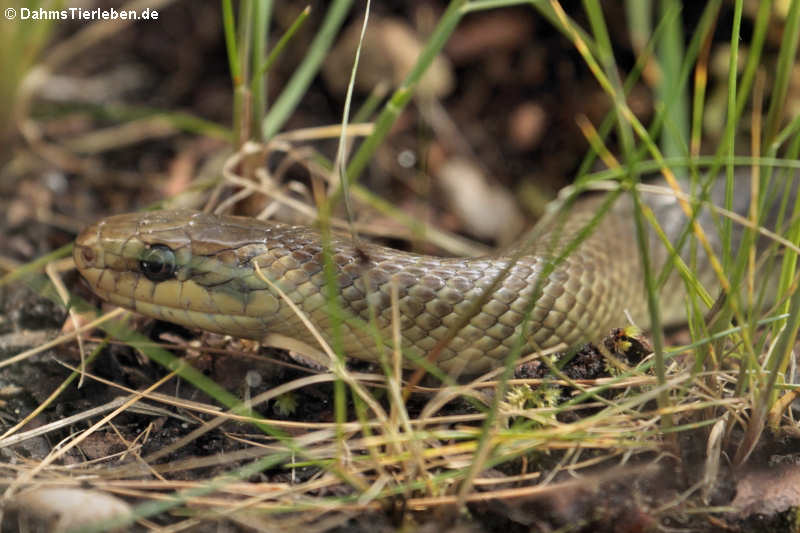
x: 199, y: 270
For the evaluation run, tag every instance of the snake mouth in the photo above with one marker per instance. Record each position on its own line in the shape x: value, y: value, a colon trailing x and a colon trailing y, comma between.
x: 180, y: 302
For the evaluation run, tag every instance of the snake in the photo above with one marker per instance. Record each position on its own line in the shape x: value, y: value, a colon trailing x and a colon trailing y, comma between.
x: 579, y: 277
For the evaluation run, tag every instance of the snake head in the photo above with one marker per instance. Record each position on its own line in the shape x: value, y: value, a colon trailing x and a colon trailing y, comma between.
x: 182, y: 266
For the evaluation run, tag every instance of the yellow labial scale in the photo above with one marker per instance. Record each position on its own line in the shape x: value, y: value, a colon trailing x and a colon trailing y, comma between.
x: 186, y: 295
x: 115, y: 298
x: 141, y: 291
x: 181, y: 316
x: 223, y: 302
x: 100, y: 280
x: 126, y: 284
x: 168, y: 293
x: 165, y: 313
x: 251, y: 325
x: 240, y: 326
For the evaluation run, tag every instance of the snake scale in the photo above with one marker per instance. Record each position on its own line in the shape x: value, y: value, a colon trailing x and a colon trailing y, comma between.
x: 198, y: 270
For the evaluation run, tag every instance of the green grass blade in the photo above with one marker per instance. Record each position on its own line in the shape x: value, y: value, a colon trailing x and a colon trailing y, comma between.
x: 401, y: 97
x: 229, y: 27
x: 786, y: 59
x: 293, y: 92
x: 258, y: 84
x: 671, y: 56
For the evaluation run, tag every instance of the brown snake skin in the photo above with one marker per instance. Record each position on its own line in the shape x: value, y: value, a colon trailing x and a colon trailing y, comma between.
x: 214, y: 286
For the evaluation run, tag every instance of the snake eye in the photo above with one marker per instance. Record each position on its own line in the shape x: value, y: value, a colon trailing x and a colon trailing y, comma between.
x: 158, y: 263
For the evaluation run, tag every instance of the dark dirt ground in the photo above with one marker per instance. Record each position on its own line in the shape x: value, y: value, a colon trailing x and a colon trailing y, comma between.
x: 517, y: 88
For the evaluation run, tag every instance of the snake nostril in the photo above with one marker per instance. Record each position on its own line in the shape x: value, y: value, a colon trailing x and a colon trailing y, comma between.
x: 88, y: 255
